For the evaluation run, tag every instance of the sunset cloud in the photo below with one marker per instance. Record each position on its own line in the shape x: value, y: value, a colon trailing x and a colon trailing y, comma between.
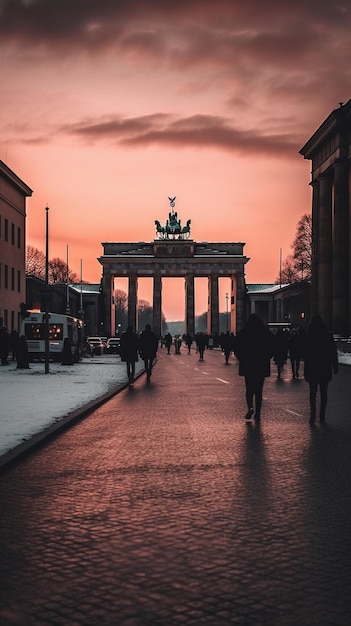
x: 170, y: 97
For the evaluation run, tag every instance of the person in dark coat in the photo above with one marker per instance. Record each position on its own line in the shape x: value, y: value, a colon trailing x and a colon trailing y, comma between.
x: 4, y: 345
x: 148, y: 346
x: 295, y: 351
x: 168, y: 342
x: 129, y: 351
x: 13, y: 339
x: 254, y: 348
x: 321, y: 360
x: 227, y: 345
x: 280, y: 350
x: 201, y: 342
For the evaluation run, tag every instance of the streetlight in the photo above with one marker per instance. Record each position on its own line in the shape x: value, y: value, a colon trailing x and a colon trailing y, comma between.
x: 47, y: 298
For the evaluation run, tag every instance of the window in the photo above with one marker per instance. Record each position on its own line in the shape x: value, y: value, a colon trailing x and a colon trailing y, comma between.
x: 12, y: 233
x: 6, y: 277
x: 6, y: 229
x: 18, y: 280
x: 13, y: 278
x: 18, y: 237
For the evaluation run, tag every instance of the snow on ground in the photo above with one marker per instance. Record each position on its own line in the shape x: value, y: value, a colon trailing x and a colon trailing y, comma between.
x: 31, y: 400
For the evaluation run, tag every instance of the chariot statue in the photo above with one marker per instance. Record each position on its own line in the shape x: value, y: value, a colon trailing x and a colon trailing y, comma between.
x: 173, y: 228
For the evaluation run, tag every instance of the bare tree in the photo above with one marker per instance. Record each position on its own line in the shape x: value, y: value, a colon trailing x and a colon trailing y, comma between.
x: 35, y: 262
x: 298, y: 265
x: 60, y: 273
x: 302, y: 248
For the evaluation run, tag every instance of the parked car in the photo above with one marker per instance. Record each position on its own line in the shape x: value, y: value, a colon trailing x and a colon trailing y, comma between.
x: 113, y: 345
x: 104, y: 341
x: 97, y: 344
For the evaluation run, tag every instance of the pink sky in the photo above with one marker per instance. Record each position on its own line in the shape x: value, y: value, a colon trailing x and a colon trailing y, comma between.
x: 109, y: 107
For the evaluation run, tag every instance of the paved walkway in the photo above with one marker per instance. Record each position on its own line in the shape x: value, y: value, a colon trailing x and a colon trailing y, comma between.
x: 165, y: 507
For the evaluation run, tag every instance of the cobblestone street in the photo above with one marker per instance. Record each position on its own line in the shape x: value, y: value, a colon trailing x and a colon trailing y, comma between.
x: 165, y: 507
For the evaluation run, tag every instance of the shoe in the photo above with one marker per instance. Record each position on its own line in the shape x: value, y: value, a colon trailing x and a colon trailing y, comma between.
x: 249, y: 414
x: 257, y: 417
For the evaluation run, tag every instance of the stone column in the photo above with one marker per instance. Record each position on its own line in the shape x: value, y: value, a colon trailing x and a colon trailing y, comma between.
x: 213, y: 305
x: 105, y: 313
x: 132, y: 301
x: 325, y: 257
x: 189, y: 304
x: 157, y: 305
x: 241, y: 301
x: 341, y: 248
x: 315, y: 235
x: 233, y: 302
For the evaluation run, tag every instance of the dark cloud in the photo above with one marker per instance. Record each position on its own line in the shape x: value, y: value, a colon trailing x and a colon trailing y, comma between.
x: 92, y: 24
x: 199, y: 131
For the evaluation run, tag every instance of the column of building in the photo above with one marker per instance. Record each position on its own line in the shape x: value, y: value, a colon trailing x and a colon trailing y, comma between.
x: 325, y: 256
x: 213, y: 305
x: 132, y: 301
x: 315, y: 246
x: 341, y: 249
x: 189, y: 304
x: 108, y: 322
x: 157, y: 305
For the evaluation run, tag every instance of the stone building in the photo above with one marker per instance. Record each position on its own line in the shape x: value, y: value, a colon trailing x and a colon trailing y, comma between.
x: 174, y: 254
x: 329, y: 149
x: 13, y: 194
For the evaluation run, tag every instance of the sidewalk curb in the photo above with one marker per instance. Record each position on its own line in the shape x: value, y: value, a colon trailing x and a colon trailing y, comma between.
x: 20, y: 451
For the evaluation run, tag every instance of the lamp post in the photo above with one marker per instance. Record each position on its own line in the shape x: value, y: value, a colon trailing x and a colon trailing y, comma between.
x: 227, y: 309
x: 47, y: 345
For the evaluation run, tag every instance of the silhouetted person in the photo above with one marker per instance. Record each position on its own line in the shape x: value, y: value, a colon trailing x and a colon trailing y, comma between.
x: 280, y: 350
x: 13, y: 340
x: 4, y: 345
x: 254, y: 347
x: 148, y: 346
x: 295, y: 351
x: 22, y: 354
x: 321, y: 360
x: 188, y: 341
x: 168, y: 342
x: 67, y: 358
x: 129, y: 351
x: 177, y: 344
x: 201, y: 344
x: 227, y: 345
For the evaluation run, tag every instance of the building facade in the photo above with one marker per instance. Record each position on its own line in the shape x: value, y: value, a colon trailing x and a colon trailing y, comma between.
x: 329, y: 150
x: 13, y: 194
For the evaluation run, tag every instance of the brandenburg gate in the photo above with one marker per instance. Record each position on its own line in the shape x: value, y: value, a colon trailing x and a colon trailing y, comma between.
x: 174, y: 254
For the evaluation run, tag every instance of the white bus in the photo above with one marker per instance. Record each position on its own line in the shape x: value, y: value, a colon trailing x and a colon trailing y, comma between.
x: 60, y: 327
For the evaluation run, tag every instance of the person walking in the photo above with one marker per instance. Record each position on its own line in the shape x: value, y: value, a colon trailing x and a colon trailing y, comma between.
x: 254, y: 348
x: 148, y: 346
x: 129, y: 351
x: 321, y: 361
x: 188, y: 341
x: 280, y: 351
x: 201, y: 344
x: 295, y: 351
x: 227, y: 345
x: 168, y: 342
x: 4, y: 344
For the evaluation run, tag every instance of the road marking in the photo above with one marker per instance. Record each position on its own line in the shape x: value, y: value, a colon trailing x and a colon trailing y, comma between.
x: 293, y: 412
x: 226, y: 382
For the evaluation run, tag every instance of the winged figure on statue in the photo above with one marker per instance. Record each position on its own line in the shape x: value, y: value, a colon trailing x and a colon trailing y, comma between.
x: 173, y: 228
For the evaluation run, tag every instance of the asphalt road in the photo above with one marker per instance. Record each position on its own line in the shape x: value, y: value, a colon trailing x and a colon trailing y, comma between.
x: 166, y: 507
